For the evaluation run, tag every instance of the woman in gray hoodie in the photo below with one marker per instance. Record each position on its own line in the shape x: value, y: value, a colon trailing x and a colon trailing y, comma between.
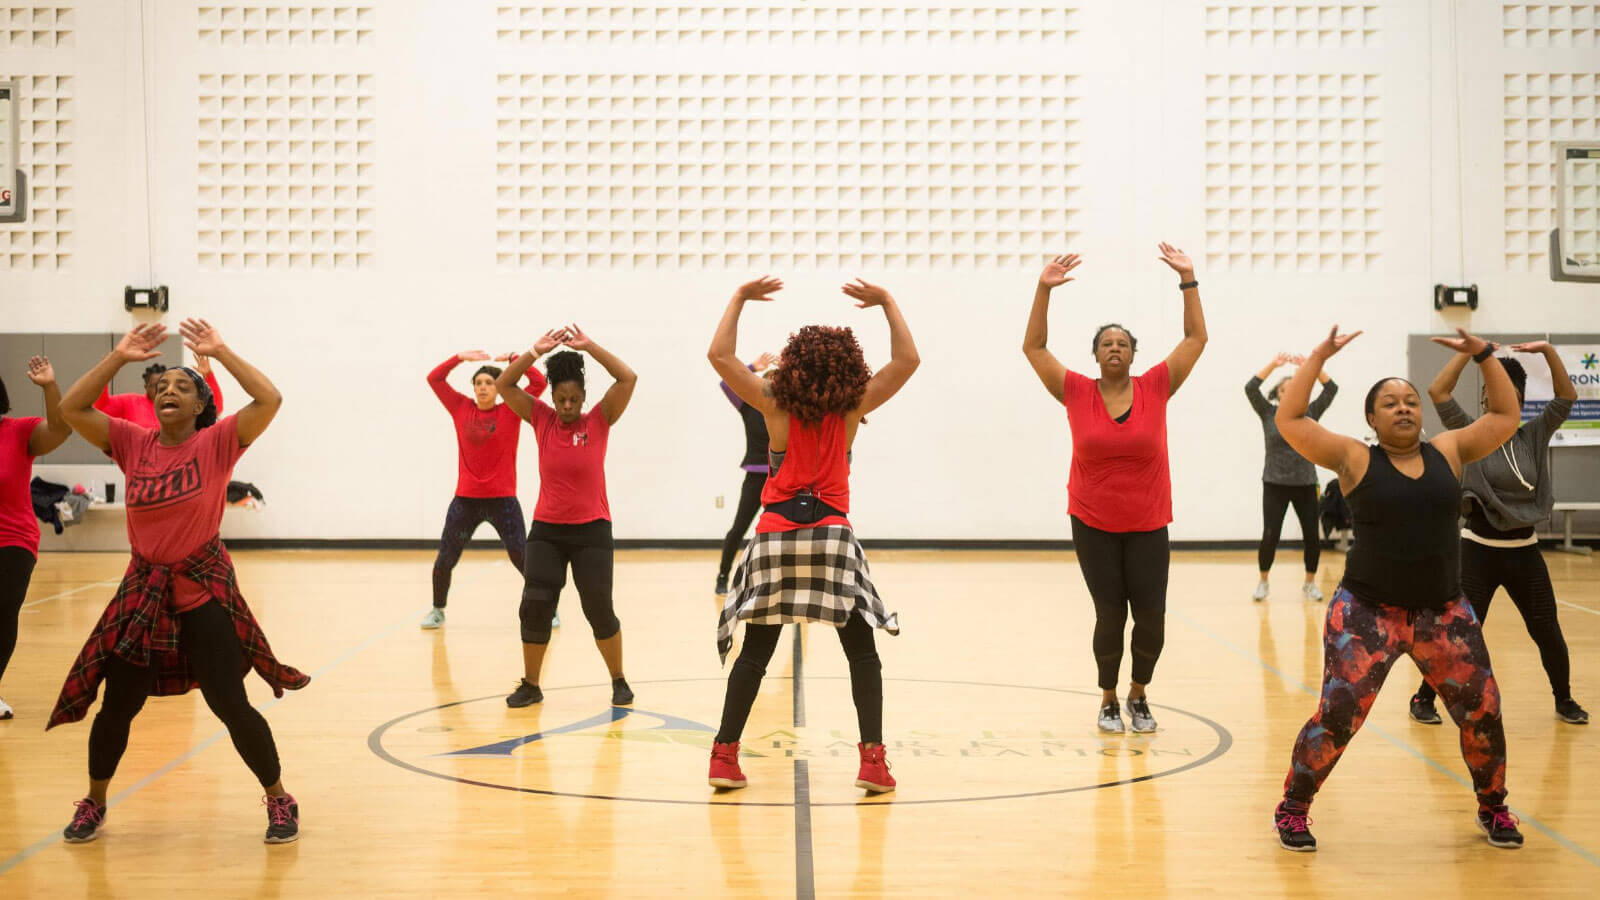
x: 1503, y: 497
x: 1287, y: 477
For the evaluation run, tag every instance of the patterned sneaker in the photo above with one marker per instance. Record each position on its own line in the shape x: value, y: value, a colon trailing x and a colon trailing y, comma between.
x: 1294, y: 828
x: 6, y: 713
x: 725, y: 771
x: 722, y: 585
x: 525, y: 695
x: 1261, y: 591
x: 621, y: 694
x: 874, y: 774
x: 86, y: 822
x: 1139, y: 711
x: 1111, y: 718
x: 433, y: 619
x: 1312, y: 593
x: 1500, y: 826
x: 1567, y: 711
x: 1422, y: 711
x: 283, y: 819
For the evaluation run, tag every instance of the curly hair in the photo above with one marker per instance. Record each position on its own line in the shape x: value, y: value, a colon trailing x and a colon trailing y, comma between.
x: 821, y: 372
x: 565, y: 366
x: 1517, y: 374
x: 153, y: 369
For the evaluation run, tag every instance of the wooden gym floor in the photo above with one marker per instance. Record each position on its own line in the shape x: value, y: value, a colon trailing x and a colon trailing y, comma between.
x: 1006, y: 788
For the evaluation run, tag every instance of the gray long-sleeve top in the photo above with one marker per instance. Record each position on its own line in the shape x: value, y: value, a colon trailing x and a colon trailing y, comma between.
x: 1493, y: 483
x: 1283, y: 465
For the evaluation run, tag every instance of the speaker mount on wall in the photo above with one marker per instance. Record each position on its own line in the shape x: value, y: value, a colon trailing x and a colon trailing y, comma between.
x: 1444, y: 295
x: 145, y: 298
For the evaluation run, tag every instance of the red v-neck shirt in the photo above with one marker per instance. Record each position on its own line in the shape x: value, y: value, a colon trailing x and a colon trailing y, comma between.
x: 1119, y: 480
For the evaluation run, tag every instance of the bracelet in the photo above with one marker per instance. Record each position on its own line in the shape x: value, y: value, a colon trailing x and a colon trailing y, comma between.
x: 1485, y: 353
x: 1186, y: 285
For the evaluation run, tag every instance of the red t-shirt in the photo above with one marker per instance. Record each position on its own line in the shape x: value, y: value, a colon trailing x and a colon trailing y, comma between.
x: 138, y: 409
x: 817, y: 459
x: 572, y: 466
x: 18, y: 527
x: 486, y: 439
x: 175, y: 495
x: 1120, y: 480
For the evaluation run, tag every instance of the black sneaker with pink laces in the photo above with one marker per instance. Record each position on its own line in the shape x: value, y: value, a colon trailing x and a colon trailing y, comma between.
x: 1294, y: 828
x: 1500, y: 827
x: 86, y: 822
x: 283, y: 819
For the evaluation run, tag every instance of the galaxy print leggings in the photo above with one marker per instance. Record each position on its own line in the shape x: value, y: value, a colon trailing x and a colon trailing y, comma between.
x: 1361, y: 641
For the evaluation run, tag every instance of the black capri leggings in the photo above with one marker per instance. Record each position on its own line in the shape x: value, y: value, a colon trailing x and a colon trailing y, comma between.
x: 207, y: 640
x: 588, y: 548
x: 1125, y: 571
x: 1522, y: 572
x: 460, y: 521
x: 16, y: 570
x: 749, y: 505
x: 866, y: 678
x: 1275, y: 500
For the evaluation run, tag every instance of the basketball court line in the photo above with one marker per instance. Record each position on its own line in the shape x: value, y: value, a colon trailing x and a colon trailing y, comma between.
x: 1542, y: 828
x: 1592, y: 612
x: 805, y: 885
x: 76, y: 590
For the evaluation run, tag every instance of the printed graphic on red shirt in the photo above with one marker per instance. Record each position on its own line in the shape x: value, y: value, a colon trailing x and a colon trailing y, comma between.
x: 149, y: 491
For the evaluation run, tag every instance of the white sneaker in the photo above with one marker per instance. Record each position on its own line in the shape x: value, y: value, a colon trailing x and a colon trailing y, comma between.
x: 1111, y: 718
x: 1312, y: 593
x: 433, y: 619
x: 5, y: 710
x: 1260, y: 593
x: 555, y: 620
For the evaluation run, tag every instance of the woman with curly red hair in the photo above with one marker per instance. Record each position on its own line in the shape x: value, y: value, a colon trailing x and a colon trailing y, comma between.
x: 804, y: 564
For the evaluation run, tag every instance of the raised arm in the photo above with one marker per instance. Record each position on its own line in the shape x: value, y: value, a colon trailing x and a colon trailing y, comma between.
x: 437, y: 379
x: 1316, y: 443
x: 1325, y: 394
x: 1499, y: 422
x: 1187, y: 353
x: 520, y: 401
x: 141, y: 344
x: 55, y: 429
x: 253, y: 419
x: 1444, y: 384
x: 202, y: 364
x: 903, y: 357
x: 1560, y: 380
x: 623, y: 379
x: 1049, y: 369
x: 1252, y: 388
x: 723, y: 354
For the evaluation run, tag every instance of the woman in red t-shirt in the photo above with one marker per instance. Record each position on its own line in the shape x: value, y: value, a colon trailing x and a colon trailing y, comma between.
x: 21, y: 441
x: 572, y: 521
x: 486, y: 469
x: 177, y: 621
x: 805, y: 564
x: 140, y: 409
x: 1119, y: 492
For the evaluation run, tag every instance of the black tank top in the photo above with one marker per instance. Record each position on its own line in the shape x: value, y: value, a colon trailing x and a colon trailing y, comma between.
x: 755, y: 436
x: 1407, y: 547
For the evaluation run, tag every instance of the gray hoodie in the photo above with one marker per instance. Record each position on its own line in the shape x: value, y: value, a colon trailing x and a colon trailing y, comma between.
x: 1493, y: 482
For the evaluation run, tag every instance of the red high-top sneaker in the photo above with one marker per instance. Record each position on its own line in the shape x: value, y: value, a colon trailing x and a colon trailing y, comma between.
x: 874, y: 774
x: 725, y: 766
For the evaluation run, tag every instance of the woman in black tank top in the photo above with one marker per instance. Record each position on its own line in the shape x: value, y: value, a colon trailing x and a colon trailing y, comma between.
x: 1401, y: 592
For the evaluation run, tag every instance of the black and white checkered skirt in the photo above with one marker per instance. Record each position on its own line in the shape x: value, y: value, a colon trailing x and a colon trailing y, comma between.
x: 809, y: 575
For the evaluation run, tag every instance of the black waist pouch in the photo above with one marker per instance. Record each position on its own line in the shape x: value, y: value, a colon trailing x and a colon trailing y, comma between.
x: 804, y: 508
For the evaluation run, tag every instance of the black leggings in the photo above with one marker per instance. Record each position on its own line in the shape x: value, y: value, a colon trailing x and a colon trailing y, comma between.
x: 588, y: 548
x: 749, y: 505
x: 462, y: 519
x: 208, y: 642
x: 1275, y: 500
x: 1521, y: 571
x: 866, y: 678
x: 1125, y: 570
x: 16, y: 570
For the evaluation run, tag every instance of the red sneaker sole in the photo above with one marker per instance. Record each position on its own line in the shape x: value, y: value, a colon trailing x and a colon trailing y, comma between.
x: 875, y: 788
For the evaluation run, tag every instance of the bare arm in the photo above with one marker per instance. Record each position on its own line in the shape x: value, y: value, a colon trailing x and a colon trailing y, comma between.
x: 55, y: 429
x: 1183, y: 357
x: 1560, y: 380
x: 1498, y: 423
x: 265, y: 400
x: 1444, y: 384
x: 903, y: 356
x: 1051, y: 371
x: 623, y: 379
x: 520, y: 401
x: 1344, y: 455
x: 141, y: 344
x: 723, y: 353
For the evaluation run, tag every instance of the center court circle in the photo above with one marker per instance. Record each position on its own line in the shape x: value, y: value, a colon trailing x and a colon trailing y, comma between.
x: 977, y: 741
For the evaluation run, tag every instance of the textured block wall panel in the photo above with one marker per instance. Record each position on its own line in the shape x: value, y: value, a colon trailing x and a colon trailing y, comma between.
x: 1540, y: 108
x: 1550, y: 24
x: 46, y: 132
x: 283, y: 23
x: 36, y: 26
x: 1292, y: 24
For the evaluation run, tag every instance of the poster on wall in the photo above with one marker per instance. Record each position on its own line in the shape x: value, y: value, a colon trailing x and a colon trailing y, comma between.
x: 1583, y: 368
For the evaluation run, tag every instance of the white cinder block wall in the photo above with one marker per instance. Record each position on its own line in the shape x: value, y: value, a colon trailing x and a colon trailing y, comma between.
x: 353, y: 190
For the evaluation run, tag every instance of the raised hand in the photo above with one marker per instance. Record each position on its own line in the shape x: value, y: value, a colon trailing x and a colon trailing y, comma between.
x: 1282, y: 359
x: 142, y: 343
x: 764, y: 362
x: 1056, y: 271
x: 1334, y: 342
x: 40, y: 371
x: 506, y: 357
x: 1531, y: 347
x: 548, y: 341
x: 1177, y: 260
x: 202, y: 364
x: 576, y: 339
x: 1296, y: 359
x: 760, y: 290
x: 1469, y: 344
x: 866, y: 295
x: 472, y: 356
x: 201, y: 338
